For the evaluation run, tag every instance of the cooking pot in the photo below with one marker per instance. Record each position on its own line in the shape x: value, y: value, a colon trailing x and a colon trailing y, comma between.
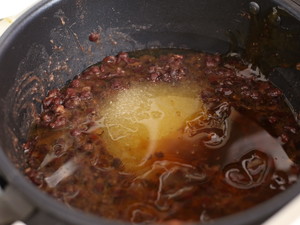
x: 49, y: 44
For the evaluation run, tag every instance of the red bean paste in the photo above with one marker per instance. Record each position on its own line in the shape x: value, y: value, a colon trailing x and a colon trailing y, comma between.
x: 163, y: 136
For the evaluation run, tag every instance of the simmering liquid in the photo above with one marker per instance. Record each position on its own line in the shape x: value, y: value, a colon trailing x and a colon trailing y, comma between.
x: 164, y: 137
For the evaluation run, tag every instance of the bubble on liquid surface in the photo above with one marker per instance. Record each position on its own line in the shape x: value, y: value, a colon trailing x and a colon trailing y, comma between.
x: 252, y: 170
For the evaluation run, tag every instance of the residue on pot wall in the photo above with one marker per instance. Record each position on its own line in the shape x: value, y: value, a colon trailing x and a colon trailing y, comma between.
x: 273, y: 40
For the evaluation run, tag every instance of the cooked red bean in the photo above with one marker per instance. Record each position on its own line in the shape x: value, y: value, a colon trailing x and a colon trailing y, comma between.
x: 94, y: 37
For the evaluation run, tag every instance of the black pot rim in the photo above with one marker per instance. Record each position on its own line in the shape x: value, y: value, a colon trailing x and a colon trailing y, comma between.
x: 74, y: 216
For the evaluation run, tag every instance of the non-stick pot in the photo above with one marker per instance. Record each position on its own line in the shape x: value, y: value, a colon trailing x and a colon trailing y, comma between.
x: 49, y: 44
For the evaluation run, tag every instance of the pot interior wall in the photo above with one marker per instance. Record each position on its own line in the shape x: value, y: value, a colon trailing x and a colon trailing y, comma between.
x: 50, y: 46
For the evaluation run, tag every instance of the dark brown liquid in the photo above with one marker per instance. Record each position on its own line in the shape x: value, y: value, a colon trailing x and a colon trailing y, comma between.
x: 234, y: 147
